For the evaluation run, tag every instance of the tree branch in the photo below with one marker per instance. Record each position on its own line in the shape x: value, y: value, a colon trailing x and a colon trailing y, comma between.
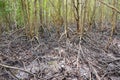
x: 110, y: 6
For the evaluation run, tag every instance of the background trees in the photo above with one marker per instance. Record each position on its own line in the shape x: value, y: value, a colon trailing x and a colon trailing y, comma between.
x: 36, y: 14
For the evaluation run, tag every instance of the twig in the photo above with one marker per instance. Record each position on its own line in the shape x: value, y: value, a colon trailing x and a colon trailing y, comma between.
x: 11, y: 67
x: 103, y: 76
x: 91, y: 64
x: 12, y: 74
x: 117, y: 59
x: 97, y: 76
x: 21, y: 29
x: 62, y: 36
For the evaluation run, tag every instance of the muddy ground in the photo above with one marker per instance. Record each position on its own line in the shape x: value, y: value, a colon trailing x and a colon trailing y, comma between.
x: 51, y: 58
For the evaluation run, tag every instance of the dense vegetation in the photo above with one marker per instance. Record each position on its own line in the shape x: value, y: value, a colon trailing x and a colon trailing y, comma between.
x: 36, y: 14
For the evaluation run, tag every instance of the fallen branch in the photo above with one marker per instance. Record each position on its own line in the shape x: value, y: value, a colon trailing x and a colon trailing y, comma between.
x: 11, y: 67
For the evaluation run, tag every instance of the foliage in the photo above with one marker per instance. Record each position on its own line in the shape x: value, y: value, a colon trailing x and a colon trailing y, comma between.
x: 32, y: 13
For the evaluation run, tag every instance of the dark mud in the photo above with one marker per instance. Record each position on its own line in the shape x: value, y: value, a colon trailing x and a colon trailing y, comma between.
x: 50, y: 58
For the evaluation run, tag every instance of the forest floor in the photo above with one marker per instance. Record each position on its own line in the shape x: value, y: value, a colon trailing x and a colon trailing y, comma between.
x: 51, y: 58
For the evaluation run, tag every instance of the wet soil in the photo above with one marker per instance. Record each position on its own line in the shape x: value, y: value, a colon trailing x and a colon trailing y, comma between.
x: 51, y: 58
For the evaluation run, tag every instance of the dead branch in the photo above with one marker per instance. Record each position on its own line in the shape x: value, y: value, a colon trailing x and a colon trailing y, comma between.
x: 16, y: 68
